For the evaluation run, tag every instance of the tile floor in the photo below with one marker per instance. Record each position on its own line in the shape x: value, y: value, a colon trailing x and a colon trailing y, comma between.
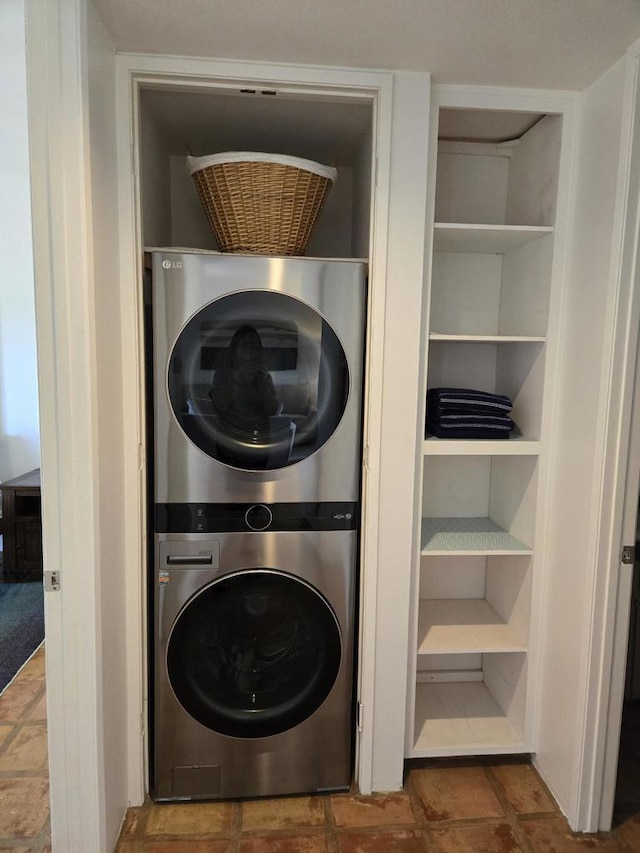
x: 488, y: 806
x: 484, y: 806
x: 24, y: 779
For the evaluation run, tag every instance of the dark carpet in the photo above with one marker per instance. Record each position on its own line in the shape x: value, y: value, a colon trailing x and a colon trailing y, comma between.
x: 21, y: 626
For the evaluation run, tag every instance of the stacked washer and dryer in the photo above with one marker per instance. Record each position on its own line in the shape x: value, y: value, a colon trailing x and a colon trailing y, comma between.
x: 255, y: 369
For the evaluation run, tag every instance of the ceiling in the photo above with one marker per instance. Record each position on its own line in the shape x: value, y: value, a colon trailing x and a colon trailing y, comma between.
x: 549, y: 44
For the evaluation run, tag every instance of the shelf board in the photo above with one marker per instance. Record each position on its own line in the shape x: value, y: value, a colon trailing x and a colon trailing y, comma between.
x: 464, y: 626
x: 515, y: 445
x: 449, y: 536
x: 487, y: 339
x: 461, y: 719
x: 484, y: 239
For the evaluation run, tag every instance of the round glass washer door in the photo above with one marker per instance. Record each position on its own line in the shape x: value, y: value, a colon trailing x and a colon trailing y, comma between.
x: 258, y: 380
x: 254, y: 653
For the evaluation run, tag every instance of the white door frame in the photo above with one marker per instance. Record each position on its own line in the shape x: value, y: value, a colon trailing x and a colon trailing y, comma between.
x: 133, y: 72
x: 56, y: 66
x: 619, y: 475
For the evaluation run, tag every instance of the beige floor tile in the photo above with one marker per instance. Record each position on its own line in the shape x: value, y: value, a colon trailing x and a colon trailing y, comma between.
x: 283, y: 813
x: 34, y: 669
x: 5, y: 730
x: 481, y: 838
x: 552, y: 835
x: 455, y: 793
x: 371, y: 811
x: 16, y: 698
x: 523, y: 788
x: 189, y: 819
x: 24, y: 807
x: 39, y: 710
x: 133, y: 821
x: 284, y: 844
x: 629, y: 831
x: 27, y: 751
x: 219, y: 845
x: 386, y: 841
x: 128, y: 846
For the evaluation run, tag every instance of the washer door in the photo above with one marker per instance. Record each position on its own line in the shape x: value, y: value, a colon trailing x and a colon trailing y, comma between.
x: 258, y: 380
x: 254, y: 653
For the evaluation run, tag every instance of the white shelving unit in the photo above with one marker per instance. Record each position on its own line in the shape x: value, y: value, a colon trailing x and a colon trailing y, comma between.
x: 487, y: 321
x: 484, y: 239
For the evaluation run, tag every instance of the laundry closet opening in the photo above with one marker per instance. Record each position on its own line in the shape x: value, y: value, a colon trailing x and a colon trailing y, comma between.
x: 254, y: 368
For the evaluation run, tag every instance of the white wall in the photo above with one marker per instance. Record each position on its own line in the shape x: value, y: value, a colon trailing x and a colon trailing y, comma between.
x: 401, y: 405
x: 110, y: 457
x: 71, y: 85
x: 578, y: 443
x: 19, y: 429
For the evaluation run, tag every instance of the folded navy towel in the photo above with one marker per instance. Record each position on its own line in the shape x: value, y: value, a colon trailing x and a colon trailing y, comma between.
x: 466, y: 399
x: 458, y: 424
x: 472, y: 432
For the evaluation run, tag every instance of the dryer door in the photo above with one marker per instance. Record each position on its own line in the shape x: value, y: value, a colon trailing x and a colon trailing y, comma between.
x: 254, y: 653
x: 258, y: 380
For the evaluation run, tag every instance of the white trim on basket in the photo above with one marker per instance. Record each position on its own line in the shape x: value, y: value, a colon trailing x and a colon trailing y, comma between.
x: 195, y: 164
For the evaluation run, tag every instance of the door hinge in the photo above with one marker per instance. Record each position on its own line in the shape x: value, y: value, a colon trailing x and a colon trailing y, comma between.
x: 51, y: 581
x: 628, y: 554
x: 360, y: 715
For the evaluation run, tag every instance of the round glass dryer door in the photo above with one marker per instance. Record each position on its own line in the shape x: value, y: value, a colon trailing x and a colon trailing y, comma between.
x: 254, y: 653
x: 258, y: 380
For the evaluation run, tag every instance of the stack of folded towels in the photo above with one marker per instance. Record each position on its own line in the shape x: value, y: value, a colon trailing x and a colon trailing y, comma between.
x: 464, y: 413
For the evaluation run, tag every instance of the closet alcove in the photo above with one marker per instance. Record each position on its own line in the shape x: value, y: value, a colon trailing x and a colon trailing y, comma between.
x: 208, y: 120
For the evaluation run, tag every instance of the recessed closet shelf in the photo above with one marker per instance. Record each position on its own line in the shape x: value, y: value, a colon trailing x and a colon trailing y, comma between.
x: 487, y: 339
x: 516, y: 445
x: 489, y: 239
x: 468, y: 536
x: 464, y: 626
x: 461, y: 719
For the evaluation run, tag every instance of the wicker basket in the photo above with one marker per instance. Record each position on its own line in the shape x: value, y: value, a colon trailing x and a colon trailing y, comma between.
x: 264, y: 204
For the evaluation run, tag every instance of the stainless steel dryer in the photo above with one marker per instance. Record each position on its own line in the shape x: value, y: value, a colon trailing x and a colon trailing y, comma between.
x: 253, y: 657
x: 257, y: 378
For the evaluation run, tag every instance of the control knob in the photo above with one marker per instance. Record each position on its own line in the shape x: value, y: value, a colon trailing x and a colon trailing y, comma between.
x: 258, y: 517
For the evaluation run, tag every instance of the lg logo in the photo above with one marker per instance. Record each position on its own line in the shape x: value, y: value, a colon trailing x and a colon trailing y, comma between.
x: 169, y: 265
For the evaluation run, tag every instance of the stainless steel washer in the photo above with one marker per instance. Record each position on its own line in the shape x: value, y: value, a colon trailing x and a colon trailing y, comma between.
x: 253, y: 658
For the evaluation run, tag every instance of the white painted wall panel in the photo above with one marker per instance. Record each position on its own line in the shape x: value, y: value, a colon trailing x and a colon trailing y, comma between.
x: 154, y: 184
x: 112, y: 698
x: 533, y: 174
x: 401, y: 404
x: 471, y: 189
x: 573, y: 519
x: 361, y: 224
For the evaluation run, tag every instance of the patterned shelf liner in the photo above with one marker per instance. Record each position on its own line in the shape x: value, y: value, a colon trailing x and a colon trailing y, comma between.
x: 478, y: 535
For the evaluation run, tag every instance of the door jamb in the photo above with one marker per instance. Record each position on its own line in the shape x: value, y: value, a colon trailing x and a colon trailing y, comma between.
x: 607, y: 658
